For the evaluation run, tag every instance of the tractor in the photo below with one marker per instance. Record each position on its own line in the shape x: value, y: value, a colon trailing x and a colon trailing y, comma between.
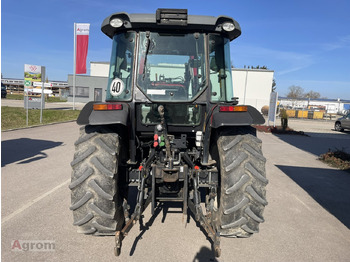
x: 171, y: 128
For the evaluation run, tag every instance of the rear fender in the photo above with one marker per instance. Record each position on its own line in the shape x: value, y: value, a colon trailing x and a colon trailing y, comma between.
x: 88, y: 116
x: 250, y: 117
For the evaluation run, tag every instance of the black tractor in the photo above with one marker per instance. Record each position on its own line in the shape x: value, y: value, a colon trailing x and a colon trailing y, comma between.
x: 170, y: 127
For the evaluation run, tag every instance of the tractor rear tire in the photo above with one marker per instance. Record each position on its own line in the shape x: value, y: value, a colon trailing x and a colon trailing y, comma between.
x: 95, y: 196
x: 242, y: 194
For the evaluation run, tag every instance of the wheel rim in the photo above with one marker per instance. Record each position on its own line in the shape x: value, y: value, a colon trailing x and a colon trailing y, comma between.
x: 337, y: 127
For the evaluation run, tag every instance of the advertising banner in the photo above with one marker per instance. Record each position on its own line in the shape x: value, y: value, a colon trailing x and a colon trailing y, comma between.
x: 82, y: 42
x: 32, y: 97
x: 273, y: 108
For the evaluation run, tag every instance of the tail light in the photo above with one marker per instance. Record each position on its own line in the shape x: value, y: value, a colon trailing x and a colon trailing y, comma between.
x: 233, y: 108
x: 104, y: 107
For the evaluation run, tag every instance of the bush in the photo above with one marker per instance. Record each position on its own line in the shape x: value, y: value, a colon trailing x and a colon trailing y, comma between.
x: 265, y: 110
x: 337, y: 158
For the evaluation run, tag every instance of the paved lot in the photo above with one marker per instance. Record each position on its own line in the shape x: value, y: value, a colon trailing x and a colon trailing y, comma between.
x: 307, y: 219
x: 317, y: 128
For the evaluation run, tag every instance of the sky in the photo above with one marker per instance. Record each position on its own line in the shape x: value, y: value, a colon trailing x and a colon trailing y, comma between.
x: 305, y: 42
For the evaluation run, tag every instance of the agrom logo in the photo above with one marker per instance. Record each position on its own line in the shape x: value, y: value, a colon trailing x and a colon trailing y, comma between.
x: 82, y: 30
x: 33, y: 245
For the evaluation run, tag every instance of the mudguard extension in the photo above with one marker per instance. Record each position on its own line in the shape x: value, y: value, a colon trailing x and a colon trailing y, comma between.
x: 90, y: 117
x: 251, y: 117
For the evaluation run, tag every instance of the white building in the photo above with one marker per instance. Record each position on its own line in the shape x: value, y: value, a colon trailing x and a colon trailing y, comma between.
x: 331, y: 106
x: 99, y: 69
x: 252, y: 86
x: 15, y: 85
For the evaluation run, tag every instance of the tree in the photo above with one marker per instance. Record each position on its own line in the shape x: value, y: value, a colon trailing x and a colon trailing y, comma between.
x: 295, y: 92
x: 273, y: 89
x: 312, y: 95
x: 256, y: 67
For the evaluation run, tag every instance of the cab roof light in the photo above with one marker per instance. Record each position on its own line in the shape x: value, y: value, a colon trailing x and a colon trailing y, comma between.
x: 228, y: 26
x: 233, y: 108
x: 116, y: 22
x: 104, y: 107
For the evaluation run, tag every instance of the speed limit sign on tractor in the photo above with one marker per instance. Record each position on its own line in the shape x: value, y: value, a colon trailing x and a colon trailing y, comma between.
x: 117, y: 87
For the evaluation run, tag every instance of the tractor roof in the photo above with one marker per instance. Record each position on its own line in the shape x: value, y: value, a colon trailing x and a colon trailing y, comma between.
x: 175, y: 20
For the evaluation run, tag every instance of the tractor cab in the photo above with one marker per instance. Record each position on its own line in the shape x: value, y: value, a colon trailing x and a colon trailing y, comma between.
x: 170, y: 58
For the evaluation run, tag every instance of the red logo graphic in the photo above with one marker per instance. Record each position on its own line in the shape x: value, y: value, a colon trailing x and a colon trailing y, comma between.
x: 33, y: 68
x: 16, y: 244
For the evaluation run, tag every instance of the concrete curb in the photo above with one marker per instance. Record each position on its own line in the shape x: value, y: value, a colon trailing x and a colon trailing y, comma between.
x: 49, y: 124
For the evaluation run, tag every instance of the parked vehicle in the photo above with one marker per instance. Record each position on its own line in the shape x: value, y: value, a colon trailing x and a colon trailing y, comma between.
x: 3, y: 91
x: 342, y: 123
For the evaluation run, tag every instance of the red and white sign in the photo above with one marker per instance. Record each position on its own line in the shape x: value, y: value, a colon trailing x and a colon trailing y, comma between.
x: 82, y: 42
x: 33, y: 69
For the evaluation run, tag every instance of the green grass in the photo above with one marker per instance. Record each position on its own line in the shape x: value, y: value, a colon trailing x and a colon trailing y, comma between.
x: 15, y: 117
x: 14, y: 96
x: 55, y: 99
x: 20, y: 97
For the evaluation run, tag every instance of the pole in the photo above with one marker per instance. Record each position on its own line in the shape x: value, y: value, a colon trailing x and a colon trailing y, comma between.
x: 245, y: 86
x: 42, y: 93
x: 74, y: 65
x: 27, y: 100
x: 25, y: 94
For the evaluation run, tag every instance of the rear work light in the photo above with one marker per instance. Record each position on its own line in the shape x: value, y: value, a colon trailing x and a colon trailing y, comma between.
x: 116, y: 22
x: 233, y: 108
x: 228, y: 26
x: 103, y: 107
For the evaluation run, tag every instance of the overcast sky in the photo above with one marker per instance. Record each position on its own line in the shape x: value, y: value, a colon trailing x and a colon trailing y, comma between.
x: 306, y: 43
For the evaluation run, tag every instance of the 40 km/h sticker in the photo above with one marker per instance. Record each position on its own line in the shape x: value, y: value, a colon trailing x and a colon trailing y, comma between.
x: 117, y: 87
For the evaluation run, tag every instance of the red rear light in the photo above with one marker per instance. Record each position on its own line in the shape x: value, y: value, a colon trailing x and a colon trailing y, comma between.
x: 101, y: 107
x: 114, y: 106
x: 233, y: 108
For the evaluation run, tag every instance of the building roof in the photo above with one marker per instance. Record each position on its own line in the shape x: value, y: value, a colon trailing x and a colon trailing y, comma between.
x: 101, y: 62
x: 318, y: 99
x: 249, y: 69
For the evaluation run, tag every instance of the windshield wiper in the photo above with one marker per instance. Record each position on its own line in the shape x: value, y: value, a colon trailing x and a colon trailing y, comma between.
x: 148, y: 44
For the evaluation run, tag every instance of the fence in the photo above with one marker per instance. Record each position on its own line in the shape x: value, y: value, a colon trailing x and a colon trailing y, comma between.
x: 305, y: 114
